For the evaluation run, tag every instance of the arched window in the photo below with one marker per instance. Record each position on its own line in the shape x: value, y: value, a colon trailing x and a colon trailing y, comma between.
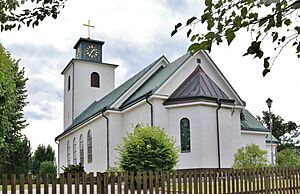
x: 95, y: 80
x: 69, y: 83
x: 185, y: 135
x: 68, y: 153
x: 74, y: 151
x: 89, y: 147
x: 81, y: 149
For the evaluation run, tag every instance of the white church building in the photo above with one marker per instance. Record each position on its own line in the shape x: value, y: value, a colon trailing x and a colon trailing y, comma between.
x: 190, y: 98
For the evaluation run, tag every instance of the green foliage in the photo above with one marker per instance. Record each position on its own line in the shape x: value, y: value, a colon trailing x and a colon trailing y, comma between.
x: 18, y: 157
x: 286, y: 132
x: 147, y: 148
x: 250, y: 156
x: 114, y: 170
x: 224, y: 18
x: 15, y: 150
x: 287, y: 158
x: 75, y: 168
x: 12, y: 14
x: 47, y: 167
x: 42, y: 153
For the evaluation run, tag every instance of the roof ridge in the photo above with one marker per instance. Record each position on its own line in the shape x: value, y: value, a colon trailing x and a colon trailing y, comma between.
x: 151, y: 80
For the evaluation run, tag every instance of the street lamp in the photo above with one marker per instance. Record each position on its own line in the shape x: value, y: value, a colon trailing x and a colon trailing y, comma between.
x: 269, y: 103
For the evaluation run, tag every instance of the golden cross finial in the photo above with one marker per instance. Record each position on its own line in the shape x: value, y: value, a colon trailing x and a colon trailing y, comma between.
x: 88, y: 25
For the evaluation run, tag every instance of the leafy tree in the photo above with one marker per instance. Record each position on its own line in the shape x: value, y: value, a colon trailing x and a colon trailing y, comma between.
x: 42, y: 153
x: 287, y: 158
x: 74, y: 168
x: 250, y: 156
x: 15, y: 149
x: 31, y: 13
x: 47, y: 167
x: 18, y: 158
x: 266, y: 20
x: 286, y: 132
x: 147, y: 148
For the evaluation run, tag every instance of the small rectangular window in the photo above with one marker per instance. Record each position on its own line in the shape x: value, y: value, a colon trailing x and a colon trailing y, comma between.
x: 69, y: 83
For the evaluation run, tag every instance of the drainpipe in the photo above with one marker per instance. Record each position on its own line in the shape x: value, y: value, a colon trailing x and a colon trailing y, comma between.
x: 151, y: 106
x: 57, y: 156
x: 73, y: 101
x: 218, y: 133
x: 107, y: 137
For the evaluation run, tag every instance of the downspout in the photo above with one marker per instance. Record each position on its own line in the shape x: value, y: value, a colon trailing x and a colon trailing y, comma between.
x: 57, y: 156
x: 151, y: 107
x: 73, y: 103
x: 218, y: 133
x: 107, y: 137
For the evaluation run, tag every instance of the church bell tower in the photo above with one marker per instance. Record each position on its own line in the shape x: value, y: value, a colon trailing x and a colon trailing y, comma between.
x: 86, y: 78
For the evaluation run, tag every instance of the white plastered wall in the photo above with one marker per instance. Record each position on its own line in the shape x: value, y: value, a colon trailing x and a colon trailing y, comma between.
x: 257, y: 138
x: 68, y: 97
x: 116, y: 133
x: 98, y: 129
x: 203, y: 124
x: 84, y: 94
x: 268, y: 148
x: 140, y: 113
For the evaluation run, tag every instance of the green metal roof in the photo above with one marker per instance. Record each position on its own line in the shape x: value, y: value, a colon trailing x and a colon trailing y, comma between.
x: 156, y: 80
x: 274, y: 140
x: 250, y: 123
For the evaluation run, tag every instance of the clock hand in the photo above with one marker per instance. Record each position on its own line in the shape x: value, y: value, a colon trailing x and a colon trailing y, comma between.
x: 94, y: 50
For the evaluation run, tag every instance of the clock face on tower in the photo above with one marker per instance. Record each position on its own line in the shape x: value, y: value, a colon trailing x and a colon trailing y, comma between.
x: 89, y: 50
x: 92, y: 51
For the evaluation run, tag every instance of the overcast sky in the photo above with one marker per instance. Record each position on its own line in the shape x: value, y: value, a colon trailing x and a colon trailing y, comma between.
x: 136, y: 32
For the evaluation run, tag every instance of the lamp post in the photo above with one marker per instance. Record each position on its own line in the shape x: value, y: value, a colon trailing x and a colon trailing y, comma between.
x: 269, y: 103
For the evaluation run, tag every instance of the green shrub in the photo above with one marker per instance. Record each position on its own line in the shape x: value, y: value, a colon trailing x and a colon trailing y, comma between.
x: 287, y: 158
x: 250, y: 156
x: 147, y: 148
x: 114, y: 170
x: 47, y: 167
x: 75, y: 168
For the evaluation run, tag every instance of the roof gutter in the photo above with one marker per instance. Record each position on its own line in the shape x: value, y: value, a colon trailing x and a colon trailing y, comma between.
x: 107, y: 136
x: 218, y: 133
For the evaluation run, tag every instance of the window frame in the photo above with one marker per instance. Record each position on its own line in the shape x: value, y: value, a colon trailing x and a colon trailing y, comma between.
x: 81, y: 149
x: 68, y: 153
x: 74, y: 151
x: 95, y: 80
x: 89, y: 147
x: 182, y: 133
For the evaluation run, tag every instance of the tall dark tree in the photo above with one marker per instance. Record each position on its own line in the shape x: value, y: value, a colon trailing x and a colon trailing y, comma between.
x: 19, y: 157
x: 15, y: 149
x: 15, y: 13
x: 273, y: 21
x: 286, y: 132
x: 42, y: 154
